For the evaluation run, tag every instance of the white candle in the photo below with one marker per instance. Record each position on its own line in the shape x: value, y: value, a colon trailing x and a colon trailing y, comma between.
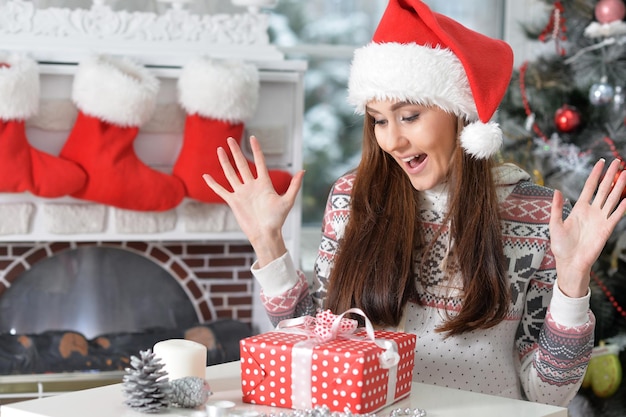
x: 182, y: 358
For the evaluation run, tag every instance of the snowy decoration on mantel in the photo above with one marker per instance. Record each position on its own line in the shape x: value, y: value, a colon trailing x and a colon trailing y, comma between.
x: 176, y: 32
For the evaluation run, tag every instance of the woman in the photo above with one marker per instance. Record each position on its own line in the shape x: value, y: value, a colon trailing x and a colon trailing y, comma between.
x: 427, y: 235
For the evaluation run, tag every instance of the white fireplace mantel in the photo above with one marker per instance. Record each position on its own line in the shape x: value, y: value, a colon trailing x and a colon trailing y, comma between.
x: 59, y: 38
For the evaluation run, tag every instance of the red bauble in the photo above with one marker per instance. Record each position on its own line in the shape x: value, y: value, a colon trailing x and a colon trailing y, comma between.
x: 608, y: 11
x: 567, y: 119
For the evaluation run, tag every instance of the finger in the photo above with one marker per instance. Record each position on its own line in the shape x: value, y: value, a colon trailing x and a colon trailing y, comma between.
x: 618, y: 213
x: 616, y: 193
x: 606, y: 185
x: 241, y: 162
x: 227, y: 167
x: 216, y: 187
x: 294, y: 187
x: 591, y: 183
x: 259, y: 158
x: 556, y: 212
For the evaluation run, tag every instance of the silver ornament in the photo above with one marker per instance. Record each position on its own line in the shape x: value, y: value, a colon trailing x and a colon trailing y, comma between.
x: 189, y: 392
x: 601, y: 93
x: 618, y: 98
x: 323, y: 411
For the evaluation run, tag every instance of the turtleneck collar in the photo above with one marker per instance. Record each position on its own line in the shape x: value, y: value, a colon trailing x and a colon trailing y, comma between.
x: 506, y: 176
x: 435, y: 198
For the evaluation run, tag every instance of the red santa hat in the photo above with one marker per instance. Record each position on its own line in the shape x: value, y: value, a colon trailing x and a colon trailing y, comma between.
x: 423, y: 57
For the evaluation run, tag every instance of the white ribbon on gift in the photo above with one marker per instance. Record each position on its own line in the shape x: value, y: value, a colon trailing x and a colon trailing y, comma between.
x: 302, y: 354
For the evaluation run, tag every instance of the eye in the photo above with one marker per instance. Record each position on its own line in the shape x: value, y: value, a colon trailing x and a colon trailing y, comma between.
x: 379, y: 122
x: 411, y: 118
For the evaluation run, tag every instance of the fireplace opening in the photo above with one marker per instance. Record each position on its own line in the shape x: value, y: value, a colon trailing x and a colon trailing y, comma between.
x: 95, y: 290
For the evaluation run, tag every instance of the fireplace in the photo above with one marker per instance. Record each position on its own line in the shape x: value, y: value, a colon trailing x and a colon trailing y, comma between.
x: 95, y: 290
x: 69, y: 297
x: 215, y: 278
x: 195, y: 250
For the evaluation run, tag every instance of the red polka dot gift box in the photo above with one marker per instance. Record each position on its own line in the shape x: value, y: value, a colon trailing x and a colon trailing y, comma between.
x: 327, y: 361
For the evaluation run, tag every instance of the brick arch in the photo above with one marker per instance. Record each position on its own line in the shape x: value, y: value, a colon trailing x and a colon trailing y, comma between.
x: 26, y: 258
x: 215, y: 275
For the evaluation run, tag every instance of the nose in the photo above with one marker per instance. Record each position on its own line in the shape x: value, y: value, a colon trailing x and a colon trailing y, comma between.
x: 392, y: 138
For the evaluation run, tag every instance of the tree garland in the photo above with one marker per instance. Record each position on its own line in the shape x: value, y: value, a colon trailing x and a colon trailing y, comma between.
x: 609, y: 295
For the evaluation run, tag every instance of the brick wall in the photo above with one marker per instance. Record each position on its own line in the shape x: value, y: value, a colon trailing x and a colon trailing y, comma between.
x: 215, y: 275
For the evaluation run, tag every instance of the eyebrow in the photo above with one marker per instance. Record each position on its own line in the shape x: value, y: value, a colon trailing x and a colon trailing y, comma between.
x: 394, y: 107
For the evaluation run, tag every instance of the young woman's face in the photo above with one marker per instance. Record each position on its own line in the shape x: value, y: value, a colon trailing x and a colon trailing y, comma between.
x: 421, y: 139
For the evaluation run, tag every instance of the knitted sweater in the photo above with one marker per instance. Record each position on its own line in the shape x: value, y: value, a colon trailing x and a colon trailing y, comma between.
x: 539, y: 352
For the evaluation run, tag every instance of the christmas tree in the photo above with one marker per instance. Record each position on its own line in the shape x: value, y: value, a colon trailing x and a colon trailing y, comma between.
x: 563, y: 111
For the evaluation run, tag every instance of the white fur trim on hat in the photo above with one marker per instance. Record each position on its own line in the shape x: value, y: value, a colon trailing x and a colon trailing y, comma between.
x: 19, y: 86
x: 481, y: 140
x: 115, y: 89
x: 226, y: 90
x: 412, y: 73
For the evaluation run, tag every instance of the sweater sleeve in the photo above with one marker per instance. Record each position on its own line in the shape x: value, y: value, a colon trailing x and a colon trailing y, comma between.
x: 554, y: 337
x: 554, y: 343
x: 285, y: 291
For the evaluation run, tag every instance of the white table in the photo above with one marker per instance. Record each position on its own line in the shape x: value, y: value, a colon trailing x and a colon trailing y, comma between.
x: 224, y: 381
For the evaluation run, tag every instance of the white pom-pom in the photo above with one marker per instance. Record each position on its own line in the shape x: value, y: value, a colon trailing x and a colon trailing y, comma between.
x: 481, y: 140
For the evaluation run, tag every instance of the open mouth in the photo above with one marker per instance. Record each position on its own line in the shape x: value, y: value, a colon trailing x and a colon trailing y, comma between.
x: 415, y: 160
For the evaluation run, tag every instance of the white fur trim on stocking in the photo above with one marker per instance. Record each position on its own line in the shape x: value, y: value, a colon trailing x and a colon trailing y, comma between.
x: 19, y: 86
x: 130, y: 221
x: 68, y: 219
x: 226, y: 90
x: 15, y: 218
x: 115, y: 89
x: 481, y: 140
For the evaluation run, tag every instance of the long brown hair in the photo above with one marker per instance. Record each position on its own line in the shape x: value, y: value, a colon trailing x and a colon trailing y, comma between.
x: 373, y: 269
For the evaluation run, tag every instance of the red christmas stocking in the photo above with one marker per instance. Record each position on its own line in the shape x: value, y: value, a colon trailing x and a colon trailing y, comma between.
x: 114, y: 97
x: 217, y: 97
x: 22, y: 167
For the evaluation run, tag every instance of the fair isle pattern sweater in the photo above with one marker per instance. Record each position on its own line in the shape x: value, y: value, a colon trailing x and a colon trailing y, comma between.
x: 539, y: 352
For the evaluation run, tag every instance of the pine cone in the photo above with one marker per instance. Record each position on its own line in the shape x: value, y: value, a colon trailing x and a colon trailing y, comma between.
x: 145, y: 384
x: 189, y: 392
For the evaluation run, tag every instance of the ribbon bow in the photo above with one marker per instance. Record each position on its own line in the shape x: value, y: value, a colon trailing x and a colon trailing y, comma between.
x: 328, y: 326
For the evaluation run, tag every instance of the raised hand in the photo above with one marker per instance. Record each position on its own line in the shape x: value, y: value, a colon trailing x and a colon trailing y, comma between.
x: 578, y: 241
x: 259, y: 210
